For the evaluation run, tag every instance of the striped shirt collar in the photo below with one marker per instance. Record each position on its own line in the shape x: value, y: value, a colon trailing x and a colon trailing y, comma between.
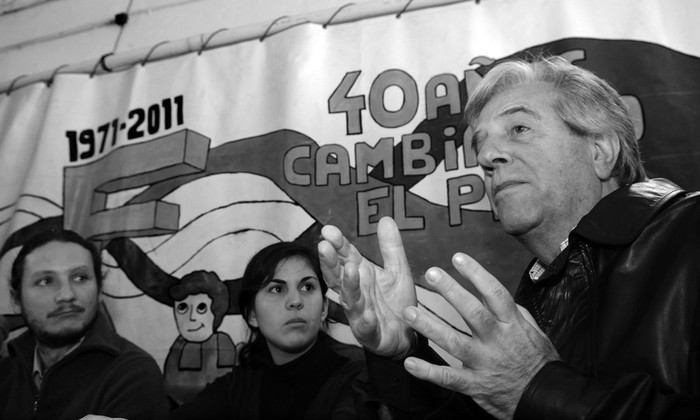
x: 538, y: 268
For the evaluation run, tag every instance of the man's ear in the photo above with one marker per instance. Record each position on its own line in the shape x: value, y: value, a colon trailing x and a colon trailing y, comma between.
x: 606, y: 149
x: 253, y: 319
x: 15, y: 301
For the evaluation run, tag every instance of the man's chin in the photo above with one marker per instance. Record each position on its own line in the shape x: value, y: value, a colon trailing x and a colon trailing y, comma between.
x: 59, y: 339
x: 515, y: 227
x: 61, y: 336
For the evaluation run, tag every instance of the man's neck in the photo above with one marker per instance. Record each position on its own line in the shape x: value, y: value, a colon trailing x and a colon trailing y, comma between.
x: 51, y: 355
x: 545, y: 241
x: 546, y: 249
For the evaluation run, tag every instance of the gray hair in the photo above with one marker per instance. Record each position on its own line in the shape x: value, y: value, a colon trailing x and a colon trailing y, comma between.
x: 587, y: 104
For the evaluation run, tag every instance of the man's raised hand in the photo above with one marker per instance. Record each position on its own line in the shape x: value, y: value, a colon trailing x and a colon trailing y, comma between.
x: 373, y: 297
x: 504, y: 352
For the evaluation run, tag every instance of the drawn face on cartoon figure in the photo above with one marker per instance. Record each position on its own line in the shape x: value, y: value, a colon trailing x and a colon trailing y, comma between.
x: 194, y: 317
x: 290, y: 310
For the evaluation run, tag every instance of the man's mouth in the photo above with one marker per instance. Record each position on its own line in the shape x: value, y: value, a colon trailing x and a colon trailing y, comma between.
x: 70, y: 310
x: 196, y: 329
x: 505, y: 185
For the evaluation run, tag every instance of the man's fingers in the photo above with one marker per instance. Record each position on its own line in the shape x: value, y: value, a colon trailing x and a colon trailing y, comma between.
x: 479, y: 319
x: 494, y: 295
x: 444, y: 376
x: 437, y: 331
x: 333, y: 235
x: 350, y: 293
x: 391, y: 247
x: 330, y: 265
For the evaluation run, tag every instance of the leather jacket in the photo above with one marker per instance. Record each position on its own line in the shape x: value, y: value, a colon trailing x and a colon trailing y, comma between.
x: 621, y: 305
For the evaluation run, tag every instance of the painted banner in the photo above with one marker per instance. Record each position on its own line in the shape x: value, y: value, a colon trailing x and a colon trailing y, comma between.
x: 185, y: 168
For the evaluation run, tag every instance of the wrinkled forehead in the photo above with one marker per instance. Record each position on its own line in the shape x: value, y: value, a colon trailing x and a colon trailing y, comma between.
x: 533, y: 94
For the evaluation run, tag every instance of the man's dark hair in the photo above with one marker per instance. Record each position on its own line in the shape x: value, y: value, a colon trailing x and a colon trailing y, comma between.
x: 42, y: 238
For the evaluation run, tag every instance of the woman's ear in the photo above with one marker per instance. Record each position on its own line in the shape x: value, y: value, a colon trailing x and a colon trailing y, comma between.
x: 253, y: 319
x: 324, y: 312
x: 606, y: 149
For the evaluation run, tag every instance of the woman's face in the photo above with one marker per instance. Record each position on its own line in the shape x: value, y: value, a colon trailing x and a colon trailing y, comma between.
x: 290, y: 310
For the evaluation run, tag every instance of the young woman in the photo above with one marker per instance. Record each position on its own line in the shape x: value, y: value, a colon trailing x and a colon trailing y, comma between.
x: 288, y: 369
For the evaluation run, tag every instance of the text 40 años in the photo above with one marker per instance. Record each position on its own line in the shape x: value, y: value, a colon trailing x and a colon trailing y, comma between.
x: 84, y: 144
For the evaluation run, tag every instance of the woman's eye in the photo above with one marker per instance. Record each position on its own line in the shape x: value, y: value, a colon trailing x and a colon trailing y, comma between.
x: 181, y: 308
x: 202, y: 308
x: 275, y: 289
x: 308, y: 287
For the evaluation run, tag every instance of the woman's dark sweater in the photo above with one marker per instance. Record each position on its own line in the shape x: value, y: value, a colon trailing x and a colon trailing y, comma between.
x: 317, y: 385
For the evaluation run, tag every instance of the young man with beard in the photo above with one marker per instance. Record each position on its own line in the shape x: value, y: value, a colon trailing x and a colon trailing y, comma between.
x: 70, y: 362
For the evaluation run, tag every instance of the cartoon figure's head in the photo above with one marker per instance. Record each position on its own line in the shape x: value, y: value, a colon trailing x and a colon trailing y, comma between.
x: 201, y: 301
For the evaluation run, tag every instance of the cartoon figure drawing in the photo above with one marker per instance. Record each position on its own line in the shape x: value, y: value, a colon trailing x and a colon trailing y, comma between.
x: 200, y: 354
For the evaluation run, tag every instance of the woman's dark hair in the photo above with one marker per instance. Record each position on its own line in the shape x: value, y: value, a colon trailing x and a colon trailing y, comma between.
x: 258, y: 273
x: 42, y: 238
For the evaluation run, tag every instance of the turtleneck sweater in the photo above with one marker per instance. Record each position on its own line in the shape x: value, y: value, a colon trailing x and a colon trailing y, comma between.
x: 316, y: 385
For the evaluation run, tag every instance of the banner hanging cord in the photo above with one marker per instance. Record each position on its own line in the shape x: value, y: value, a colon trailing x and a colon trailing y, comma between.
x: 121, y: 19
x: 169, y: 49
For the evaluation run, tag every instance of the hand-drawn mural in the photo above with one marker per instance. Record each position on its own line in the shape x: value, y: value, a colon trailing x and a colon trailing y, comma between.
x: 176, y: 226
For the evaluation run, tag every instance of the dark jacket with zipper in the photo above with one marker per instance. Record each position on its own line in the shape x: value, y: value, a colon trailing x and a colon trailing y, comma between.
x: 106, y: 374
x: 622, y: 306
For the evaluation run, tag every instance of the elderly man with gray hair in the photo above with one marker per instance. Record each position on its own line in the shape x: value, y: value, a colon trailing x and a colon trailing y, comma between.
x: 605, y: 322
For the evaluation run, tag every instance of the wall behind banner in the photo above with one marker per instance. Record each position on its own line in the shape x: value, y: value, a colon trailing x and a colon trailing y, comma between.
x: 184, y: 168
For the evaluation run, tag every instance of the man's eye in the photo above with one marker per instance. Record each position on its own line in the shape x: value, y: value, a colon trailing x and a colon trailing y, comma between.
x: 519, y: 129
x: 44, y: 281
x: 181, y: 308
x: 202, y: 308
x: 81, y: 278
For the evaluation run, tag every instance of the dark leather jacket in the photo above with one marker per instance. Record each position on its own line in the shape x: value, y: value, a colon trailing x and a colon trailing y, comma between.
x: 621, y: 306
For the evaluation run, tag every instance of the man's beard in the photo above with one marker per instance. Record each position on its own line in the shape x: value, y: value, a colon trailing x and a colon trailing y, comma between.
x: 58, y: 340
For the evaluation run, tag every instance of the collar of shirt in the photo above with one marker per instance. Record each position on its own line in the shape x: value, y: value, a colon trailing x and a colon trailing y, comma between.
x: 538, y: 268
x: 38, y: 368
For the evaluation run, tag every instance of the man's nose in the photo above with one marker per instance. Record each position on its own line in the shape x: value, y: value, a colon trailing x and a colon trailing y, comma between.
x: 492, y: 153
x: 66, y: 293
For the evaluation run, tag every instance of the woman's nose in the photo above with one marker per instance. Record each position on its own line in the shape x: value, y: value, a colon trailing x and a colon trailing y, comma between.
x: 294, y: 301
